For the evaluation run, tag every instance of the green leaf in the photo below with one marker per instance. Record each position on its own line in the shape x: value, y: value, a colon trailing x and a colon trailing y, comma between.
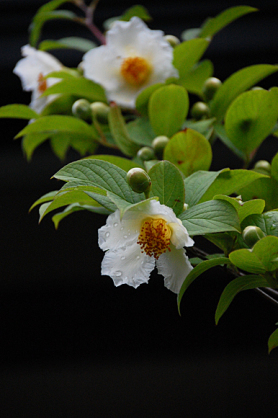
x: 197, y: 271
x: 32, y: 141
x: 251, y: 207
x: 18, y: 111
x: 71, y: 42
x: 75, y: 207
x: 124, y: 206
x: 264, y: 188
x: 194, y: 80
x: 210, y: 217
x: 142, y: 100
x: 189, y: 151
x: 204, y: 127
x: 121, y: 162
x: 197, y: 184
x: 231, y: 181
x: 119, y: 131
x: 45, y: 198
x: 189, y: 34
x: 236, y: 84
x: 274, y: 167
x: 137, y: 10
x: 250, y: 119
x: 77, y: 86
x: 60, y: 145
x: 187, y: 54
x: 214, y: 25
x: 167, y: 184
x: 273, y: 341
x: 102, y: 174
x: 140, y: 131
x: 61, y: 105
x: 43, y: 16
x: 268, y: 222
x: 233, y: 288
x: 168, y: 108
x: 263, y: 256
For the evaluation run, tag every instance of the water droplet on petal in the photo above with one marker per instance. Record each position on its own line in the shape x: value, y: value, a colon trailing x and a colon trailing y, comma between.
x: 122, y: 257
x: 118, y: 273
x: 107, y: 234
x: 125, y: 236
x: 116, y: 224
x: 122, y: 228
x: 138, y: 256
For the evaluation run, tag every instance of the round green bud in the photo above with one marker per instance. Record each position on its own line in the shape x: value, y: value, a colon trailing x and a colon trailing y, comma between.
x: 138, y: 180
x: 159, y: 143
x: 263, y: 167
x: 251, y: 234
x: 146, y: 154
x: 210, y: 87
x: 199, y: 110
x: 81, y: 109
x: 172, y: 40
x: 100, y: 111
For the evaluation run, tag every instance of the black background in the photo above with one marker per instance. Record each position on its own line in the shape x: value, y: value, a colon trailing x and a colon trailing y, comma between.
x: 71, y: 344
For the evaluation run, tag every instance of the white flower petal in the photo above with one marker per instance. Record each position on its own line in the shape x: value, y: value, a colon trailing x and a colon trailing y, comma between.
x: 127, y: 265
x: 174, y: 266
x: 180, y: 237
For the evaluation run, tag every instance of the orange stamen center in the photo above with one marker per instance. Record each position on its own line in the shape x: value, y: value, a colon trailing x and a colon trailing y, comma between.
x: 42, y: 85
x: 135, y: 70
x: 154, y: 237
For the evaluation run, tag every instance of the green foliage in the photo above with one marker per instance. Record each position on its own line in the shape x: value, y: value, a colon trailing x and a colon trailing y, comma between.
x: 189, y: 151
x: 18, y: 111
x: 168, y: 107
x: 71, y: 42
x: 273, y: 341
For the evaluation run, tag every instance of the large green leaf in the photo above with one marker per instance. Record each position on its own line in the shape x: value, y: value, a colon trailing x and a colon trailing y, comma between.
x: 236, y: 84
x: 18, y: 111
x: 76, y: 207
x: 197, y: 184
x: 264, y: 188
x: 189, y: 151
x: 121, y: 162
x: 197, y: 271
x: 251, y: 118
x: 168, y: 107
x: 167, y: 184
x: 231, y: 181
x: 102, y: 174
x: 268, y: 222
x: 187, y: 54
x: 143, y: 98
x: 214, y: 25
x: 210, y: 217
x: 77, y: 86
x: 233, y: 288
x: 32, y: 141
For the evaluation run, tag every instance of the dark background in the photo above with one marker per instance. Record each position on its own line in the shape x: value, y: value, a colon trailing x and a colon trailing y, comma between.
x: 71, y: 344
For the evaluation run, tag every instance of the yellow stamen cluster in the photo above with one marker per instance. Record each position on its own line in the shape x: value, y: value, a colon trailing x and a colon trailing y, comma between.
x: 42, y: 84
x: 135, y: 70
x: 154, y: 237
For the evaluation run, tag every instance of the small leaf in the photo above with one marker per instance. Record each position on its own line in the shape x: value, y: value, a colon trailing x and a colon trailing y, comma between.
x: 197, y: 271
x: 72, y: 42
x: 250, y: 119
x: 143, y: 98
x: 137, y: 10
x: 251, y: 207
x: 236, y: 84
x: 189, y: 151
x: 187, y: 54
x: 119, y: 131
x: 233, y: 288
x: 274, y: 167
x: 75, y: 207
x: 168, y: 107
x: 268, y: 222
x: 140, y: 131
x: 210, y: 217
x: 32, y: 141
x: 273, y: 340
x: 167, y: 184
x: 45, y: 198
x: 194, y: 80
x: 214, y: 25
x: 18, y: 111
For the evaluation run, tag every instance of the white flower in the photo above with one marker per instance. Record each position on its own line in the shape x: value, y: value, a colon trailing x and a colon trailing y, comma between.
x: 31, y: 69
x: 133, y: 58
x: 149, y: 234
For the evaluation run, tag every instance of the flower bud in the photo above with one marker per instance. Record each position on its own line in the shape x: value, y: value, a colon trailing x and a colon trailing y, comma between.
x: 159, y: 143
x: 81, y: 109
x: 210, y: 87
x: 199, y: 110
x: 138, y: 180
x: 146, y: 154
x: 263, y: 167
x: 251, y: 234
x: 172, y: 40
x: 100, y: 111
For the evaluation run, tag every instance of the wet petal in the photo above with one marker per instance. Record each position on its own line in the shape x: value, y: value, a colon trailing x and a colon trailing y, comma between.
x: 174, y: 267
x: 180, y: 237
x: 127, y: 265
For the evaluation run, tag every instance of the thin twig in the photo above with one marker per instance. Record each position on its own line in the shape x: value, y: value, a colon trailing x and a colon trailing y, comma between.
x: 266, y: 295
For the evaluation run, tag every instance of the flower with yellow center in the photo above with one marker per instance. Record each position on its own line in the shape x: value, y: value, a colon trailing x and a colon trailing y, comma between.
x: 133, y: 58
x: 148, y: 235
x: 32, y: 69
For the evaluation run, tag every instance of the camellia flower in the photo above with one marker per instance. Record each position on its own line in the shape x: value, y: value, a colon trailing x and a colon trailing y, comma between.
x: 148, y: 234
x: 133, y: 58
x: 31, y: 70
